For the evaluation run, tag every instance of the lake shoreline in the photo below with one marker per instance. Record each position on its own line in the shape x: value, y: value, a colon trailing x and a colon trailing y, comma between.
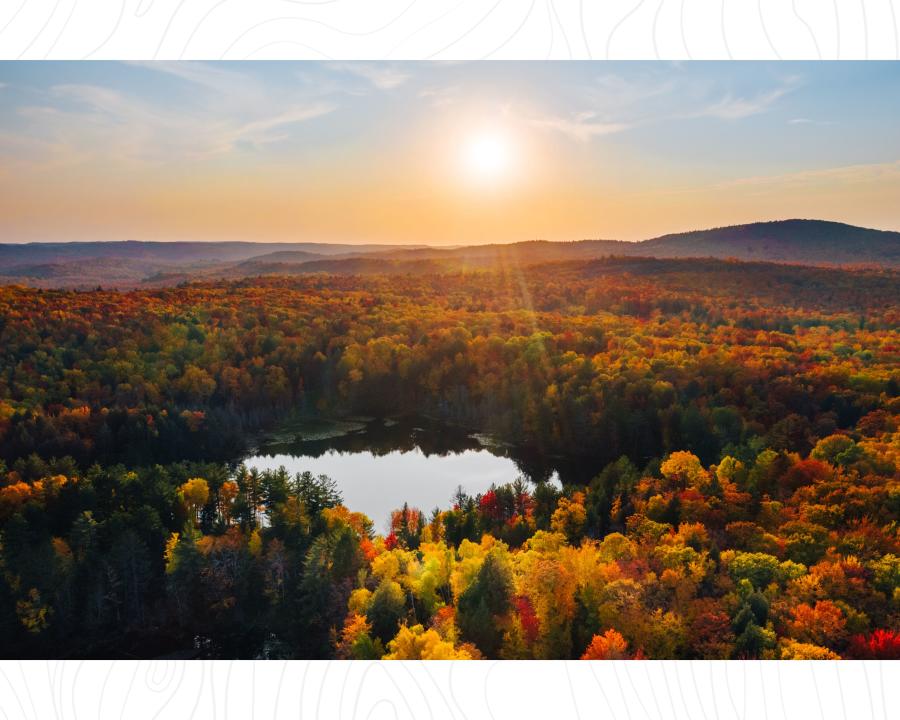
x: 381, y: 463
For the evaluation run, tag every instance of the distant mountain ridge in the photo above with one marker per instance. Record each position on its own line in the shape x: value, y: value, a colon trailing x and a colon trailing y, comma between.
x: 162, y: 251
x: 805, y: 242
x: 136, y: 263
x: 811, y: 242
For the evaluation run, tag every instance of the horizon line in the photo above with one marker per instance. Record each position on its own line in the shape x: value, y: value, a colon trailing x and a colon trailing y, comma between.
x: 448, y: 246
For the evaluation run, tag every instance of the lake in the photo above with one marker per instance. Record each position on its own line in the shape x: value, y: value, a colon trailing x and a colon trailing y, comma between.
x: 378, y: 465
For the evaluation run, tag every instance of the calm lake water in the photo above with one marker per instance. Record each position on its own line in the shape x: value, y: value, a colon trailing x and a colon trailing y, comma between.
x: 380, y: 465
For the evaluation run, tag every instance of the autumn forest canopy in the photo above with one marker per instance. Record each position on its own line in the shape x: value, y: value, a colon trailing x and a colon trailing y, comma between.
x: 739, y: 420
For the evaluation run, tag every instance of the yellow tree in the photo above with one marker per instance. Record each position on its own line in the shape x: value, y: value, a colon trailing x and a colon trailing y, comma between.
x: 194, y: 494
x: 569, y: 518
x: 684, y: 470
x: 416, y: 643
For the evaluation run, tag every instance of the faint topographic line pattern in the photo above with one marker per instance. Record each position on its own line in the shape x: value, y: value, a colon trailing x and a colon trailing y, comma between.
x: 449, y: 29
x: 438, y: 690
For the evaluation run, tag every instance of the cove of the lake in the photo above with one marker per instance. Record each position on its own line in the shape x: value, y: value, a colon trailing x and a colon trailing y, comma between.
x: 380, y: 464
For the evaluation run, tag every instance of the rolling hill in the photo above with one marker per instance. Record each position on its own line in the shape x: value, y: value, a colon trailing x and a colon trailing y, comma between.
x: 170, y: 252
x: 132, y: 263
x: 807, y: 242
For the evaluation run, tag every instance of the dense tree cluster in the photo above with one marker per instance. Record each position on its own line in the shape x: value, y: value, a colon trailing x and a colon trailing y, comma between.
x: 633, y: 357
x: 745, y: 418
x: 784, y: 556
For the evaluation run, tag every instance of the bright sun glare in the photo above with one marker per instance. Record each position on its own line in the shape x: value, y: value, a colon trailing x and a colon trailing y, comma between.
x: 487, y: 156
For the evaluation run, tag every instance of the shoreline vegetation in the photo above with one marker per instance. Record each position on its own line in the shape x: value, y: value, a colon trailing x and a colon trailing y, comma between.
x: 741, y: 499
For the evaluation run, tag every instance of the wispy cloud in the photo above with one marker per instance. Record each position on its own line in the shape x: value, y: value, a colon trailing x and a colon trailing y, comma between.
x: 615, y: 105
x: 440, y: 97
x: 731, y: 107
x: 95, y: 98
x: 383, y: 77
x: 213, y: 77
x: 85, y: 122
x: 261, y: 131
x: 224, y: 87
x: 845, y: 175
x: 581, y: 127
x: 848, y: 181
x: 808, y: 121
x: 615, y: 90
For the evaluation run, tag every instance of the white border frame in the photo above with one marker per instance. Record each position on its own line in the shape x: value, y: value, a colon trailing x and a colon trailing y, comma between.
x: 449, y: 30
x: 362, y: 690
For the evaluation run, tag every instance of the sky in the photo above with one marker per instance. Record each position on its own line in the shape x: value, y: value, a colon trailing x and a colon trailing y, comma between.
x: 441, y: 153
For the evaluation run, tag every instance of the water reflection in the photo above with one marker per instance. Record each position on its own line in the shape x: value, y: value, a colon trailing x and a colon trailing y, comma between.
x: 380, y: 465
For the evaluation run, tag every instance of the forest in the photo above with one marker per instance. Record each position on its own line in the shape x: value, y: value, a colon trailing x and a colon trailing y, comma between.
x: 744, y: 417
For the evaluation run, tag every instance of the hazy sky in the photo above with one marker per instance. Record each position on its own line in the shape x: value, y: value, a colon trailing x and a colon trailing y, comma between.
x: 441, y: 152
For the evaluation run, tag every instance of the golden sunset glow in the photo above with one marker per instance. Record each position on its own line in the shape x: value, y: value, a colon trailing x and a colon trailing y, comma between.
x: 440, y: 153
x: 488, y: 156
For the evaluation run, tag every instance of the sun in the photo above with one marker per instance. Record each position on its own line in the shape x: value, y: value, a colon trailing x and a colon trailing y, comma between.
x: 487, y: 156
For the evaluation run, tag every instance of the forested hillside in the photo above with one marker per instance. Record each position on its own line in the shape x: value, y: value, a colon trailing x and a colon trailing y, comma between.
x: 812, y: 242
x: 160, y: 264
x: 743, y: 417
